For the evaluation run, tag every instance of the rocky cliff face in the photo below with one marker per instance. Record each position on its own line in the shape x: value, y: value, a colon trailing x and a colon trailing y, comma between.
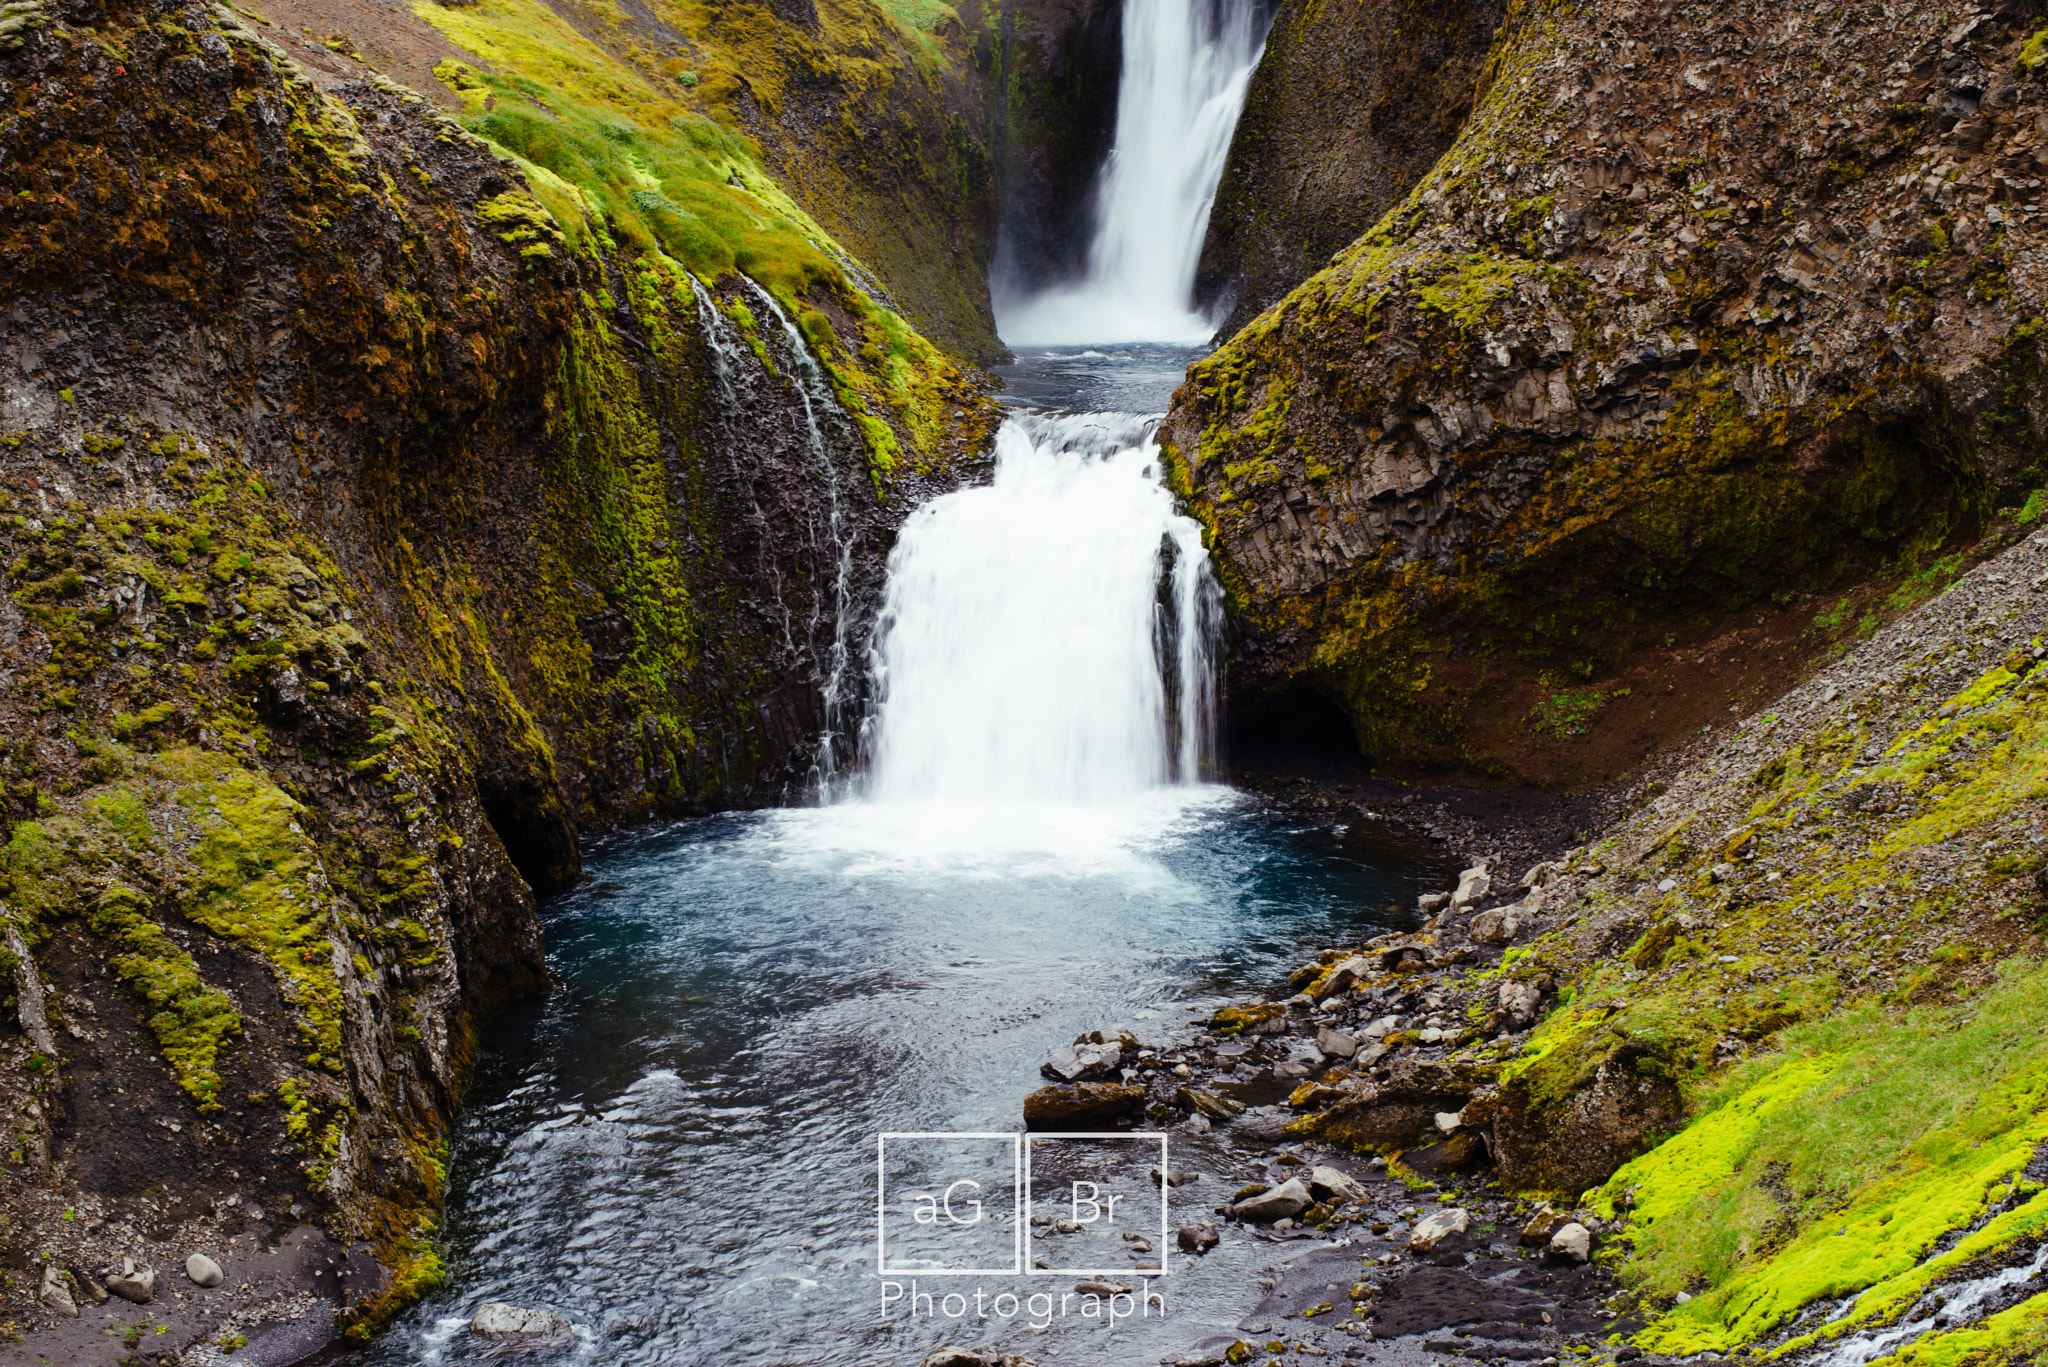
x: 1050, y: 74
x: 1350, y: 107
x: 1700, y: 314
x: 381, y: 512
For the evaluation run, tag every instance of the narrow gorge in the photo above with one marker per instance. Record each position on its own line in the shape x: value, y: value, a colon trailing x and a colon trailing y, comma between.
x: 648, y: 648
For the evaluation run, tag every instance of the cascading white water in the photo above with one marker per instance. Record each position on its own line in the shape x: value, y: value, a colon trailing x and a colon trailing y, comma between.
x: 1046, y: 638
x: 1186, y: 66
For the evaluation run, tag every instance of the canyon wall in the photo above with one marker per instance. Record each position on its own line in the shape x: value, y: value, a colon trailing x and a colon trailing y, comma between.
x: 390, y: 499
x: 1703, y: 312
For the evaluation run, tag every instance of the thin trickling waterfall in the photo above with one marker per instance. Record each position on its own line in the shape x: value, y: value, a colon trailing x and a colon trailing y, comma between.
x: 1186, y: 66
x: 1046, y: 638
x: 820, y: 409
x: 815, y: 390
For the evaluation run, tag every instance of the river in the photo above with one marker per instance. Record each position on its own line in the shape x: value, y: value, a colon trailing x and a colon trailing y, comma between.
x: 676, y: 1150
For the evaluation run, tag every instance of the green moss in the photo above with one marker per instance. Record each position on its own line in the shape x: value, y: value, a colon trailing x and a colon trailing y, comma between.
x: 2034, y: 53
x: 190, y: 1019
x: 262, y: 889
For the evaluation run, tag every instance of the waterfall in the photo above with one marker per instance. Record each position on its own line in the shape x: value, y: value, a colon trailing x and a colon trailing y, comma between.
x: 1186, y: 66
x: 1046, y: 638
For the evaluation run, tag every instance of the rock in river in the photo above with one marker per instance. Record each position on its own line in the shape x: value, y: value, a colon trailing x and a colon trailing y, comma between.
x: 502, y: 1323
x: 1079, y: 1105
x: 1197, y: 1238
x: 1289, y: 1198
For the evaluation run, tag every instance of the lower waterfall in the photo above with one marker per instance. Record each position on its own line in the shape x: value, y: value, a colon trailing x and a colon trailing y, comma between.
x: 1047, y: 638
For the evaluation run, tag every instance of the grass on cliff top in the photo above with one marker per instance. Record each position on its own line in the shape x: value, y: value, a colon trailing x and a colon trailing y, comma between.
x: 625, y: 158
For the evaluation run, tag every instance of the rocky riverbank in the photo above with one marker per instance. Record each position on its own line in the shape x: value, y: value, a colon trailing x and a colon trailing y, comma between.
x: 1778, y: 1014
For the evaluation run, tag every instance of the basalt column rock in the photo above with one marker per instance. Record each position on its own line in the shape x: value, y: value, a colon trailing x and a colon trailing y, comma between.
x: 1350, y: 106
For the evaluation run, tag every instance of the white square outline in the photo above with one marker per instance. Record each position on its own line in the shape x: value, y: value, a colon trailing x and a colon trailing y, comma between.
x: 1165, y: 1265
x: 1016, y: 1140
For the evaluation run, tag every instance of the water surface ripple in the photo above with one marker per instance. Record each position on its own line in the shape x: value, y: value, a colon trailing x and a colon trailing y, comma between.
x: 676, y: 1149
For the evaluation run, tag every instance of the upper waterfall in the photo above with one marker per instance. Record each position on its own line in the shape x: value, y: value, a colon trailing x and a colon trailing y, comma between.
x: 1186, y: 66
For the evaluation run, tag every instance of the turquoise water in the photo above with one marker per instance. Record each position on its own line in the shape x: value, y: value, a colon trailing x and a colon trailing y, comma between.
x: 676, y: 1151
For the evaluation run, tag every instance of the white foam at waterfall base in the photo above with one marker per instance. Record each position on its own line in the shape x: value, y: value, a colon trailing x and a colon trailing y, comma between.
x: 1186, y: 66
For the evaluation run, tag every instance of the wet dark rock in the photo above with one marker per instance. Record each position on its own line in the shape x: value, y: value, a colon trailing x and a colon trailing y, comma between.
x: 1081, y: 1105
x: 1197, y: 1239
x: 1101, y: 1288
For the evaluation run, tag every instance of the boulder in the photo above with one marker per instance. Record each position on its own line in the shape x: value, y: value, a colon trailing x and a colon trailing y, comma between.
x: 1542, y: 875
x: 1464, y: 1151
x: 1341, y: 977
x: 1518, y: 1004
x: 1497, y: 927
x: 502, y: 1323
x: 1336, y: 1043
x: 1542, y: 1225
x: 1432, y: 1230
x: 204, y: 1271
x: 1328, y: 1184
x: 55, y: 1291
x: 1573, y: 1241
x: 1473, y: 885
x: 1290, y: 1198
x: 1404, y: 959
x: 1207, y: 1103
x: 1078, y: 1062
x: 1197, y: 1239
x: 1569, y: 1122
x: 1432, y: 903
x: 1077, y: 1106
x: 1269, y: 1129
x: 1263, y: 1019
x: 1388, y: 1114
x: 132, y: 1283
